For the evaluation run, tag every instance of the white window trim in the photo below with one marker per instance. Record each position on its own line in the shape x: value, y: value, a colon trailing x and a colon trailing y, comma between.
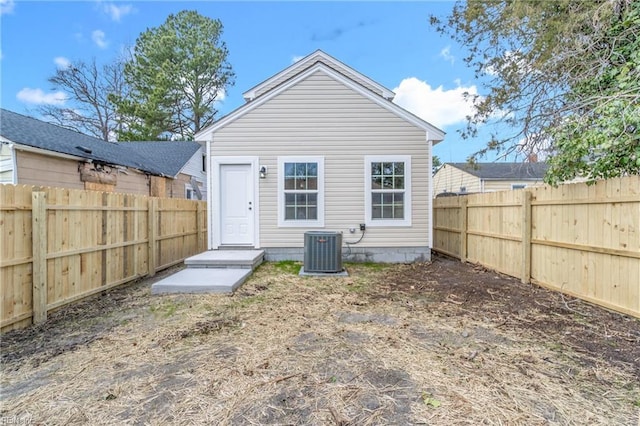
x: 318, y: 223
x: 187, y: 188
x: 368, y: 159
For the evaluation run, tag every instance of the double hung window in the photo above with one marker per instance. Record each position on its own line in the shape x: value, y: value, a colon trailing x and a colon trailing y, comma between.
x: 388, y: 190
x: 301, y: 191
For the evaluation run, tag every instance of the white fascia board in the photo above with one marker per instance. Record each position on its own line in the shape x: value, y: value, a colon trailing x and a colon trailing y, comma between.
x: 433, y: 132
x: 319, y: 55
x: 49, y: 153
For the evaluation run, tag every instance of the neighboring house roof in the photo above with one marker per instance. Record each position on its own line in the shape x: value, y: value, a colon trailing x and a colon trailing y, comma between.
x: 23, y: 130
x: 504, y: 171
x: 434, y: 134
x: 307, y: 62
x: 170, y: 157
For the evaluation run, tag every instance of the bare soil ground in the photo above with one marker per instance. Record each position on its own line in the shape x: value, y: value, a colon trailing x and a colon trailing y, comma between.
x: 437, y: 343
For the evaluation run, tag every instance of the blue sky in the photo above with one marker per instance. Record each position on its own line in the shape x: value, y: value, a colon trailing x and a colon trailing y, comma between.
x: 390, y: 42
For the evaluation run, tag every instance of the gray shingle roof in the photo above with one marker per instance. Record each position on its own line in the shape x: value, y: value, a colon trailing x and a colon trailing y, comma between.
x: 170, y: 156
x: 39, y: 134
x: 504, y: 171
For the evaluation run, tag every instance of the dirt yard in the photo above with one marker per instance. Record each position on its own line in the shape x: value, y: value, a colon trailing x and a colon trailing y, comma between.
x: 439, y: 343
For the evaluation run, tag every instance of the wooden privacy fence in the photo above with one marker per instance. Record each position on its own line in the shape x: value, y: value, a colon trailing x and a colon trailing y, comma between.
x: 583, y: 240
x: 61, y: 245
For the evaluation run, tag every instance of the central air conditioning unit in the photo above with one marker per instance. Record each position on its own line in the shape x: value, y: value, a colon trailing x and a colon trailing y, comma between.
x: 322, y: 251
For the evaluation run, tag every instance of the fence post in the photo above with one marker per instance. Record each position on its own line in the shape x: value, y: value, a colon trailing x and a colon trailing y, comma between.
x: 526, y: 236
x: 463, y: 229
x: 153, y: 229
x: 199, y: 218
x: 39, y: 241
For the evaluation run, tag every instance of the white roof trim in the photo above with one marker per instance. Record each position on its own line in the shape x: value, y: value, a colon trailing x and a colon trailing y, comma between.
x: 434, y: 134
x: 307, y: 61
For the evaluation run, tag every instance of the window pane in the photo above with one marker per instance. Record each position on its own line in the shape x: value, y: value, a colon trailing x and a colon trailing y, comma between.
x: 301, y: 213
x: 312, y: 199
x: 312, y: 213
x: 289, y: 199
x: 312, y: 183
x: 387, y: 212
x: 387, y: 169
x: 290, y: 213
x: 387, y: 198
x: 398, y: 212
x: 398, y: 169
x: 398, y: 183
x: 301, y: 199
x: 301, y: 169
x: 301, y: 184
x: 289, y: 183
x: 376, y: 212
x: 312, y: 169
x: 289, y: 169
x: 376, y: 182
x: 376, y: 198
x: 387, y: 182
x: 376, y: 169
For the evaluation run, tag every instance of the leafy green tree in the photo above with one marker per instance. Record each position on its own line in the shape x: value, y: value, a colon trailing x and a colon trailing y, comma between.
x: 603, y: 140
x: 176, y: 73
x: 559, y: 74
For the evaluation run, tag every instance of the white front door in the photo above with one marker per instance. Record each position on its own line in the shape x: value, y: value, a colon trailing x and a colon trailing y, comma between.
x: 236, y: 204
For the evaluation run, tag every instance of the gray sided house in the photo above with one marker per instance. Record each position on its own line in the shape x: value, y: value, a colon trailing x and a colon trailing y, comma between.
x: 183, y: 161
x: 487, y: 177
x: 321, y: 147
x: 34, y: 152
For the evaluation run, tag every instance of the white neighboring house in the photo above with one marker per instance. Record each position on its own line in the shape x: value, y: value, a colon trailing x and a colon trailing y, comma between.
x: 320, y: 146
x: 465, y: 178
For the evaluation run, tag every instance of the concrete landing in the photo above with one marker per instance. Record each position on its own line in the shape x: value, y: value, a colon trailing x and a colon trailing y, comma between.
x: 202, y: 280
x: 244, y: 259
x: 214, y: 271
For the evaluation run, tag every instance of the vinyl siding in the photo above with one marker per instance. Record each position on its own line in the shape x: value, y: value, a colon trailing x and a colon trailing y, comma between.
x: 44, y: 170
x: 320, y: 116
x: 293, y: 72
x: 505, y: 185
x: 6, y: 164
x: 451, y: 179
x: 38, y: 169
x: 194, y: 168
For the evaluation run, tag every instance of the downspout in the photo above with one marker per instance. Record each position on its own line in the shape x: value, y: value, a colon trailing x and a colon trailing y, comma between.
x: 482, y: 186
x: 14, y: 161
x: 430, y: 195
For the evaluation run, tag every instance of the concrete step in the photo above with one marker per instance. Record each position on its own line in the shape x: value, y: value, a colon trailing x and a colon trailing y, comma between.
x: 237, y: 259
x: 202, y: 280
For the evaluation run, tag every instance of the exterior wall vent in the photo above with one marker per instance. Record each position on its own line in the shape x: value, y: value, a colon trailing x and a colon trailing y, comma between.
x: 322, y: 251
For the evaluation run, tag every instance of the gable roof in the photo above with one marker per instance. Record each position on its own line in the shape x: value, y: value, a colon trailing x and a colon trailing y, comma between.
x: 168, y: 156
x: 433, y: 133
x: 20, y: 129
x: 307, y: 62
x: 504, y: 171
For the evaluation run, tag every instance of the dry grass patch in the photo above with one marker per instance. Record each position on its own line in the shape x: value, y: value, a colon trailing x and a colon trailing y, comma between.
x: 439, y: 343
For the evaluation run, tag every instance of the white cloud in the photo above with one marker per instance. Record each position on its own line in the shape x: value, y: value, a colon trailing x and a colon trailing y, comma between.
x: 296, y: 58
x: 6, y: 6
x: 446, y: 55
x: 99, y: 38
x: 62, y: 62
x: 438, y: 106
x: 116, y: 12
x: 38, y: 97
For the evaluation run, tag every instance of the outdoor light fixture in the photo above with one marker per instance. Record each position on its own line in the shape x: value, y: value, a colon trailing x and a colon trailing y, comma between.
x: 263, y: 172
